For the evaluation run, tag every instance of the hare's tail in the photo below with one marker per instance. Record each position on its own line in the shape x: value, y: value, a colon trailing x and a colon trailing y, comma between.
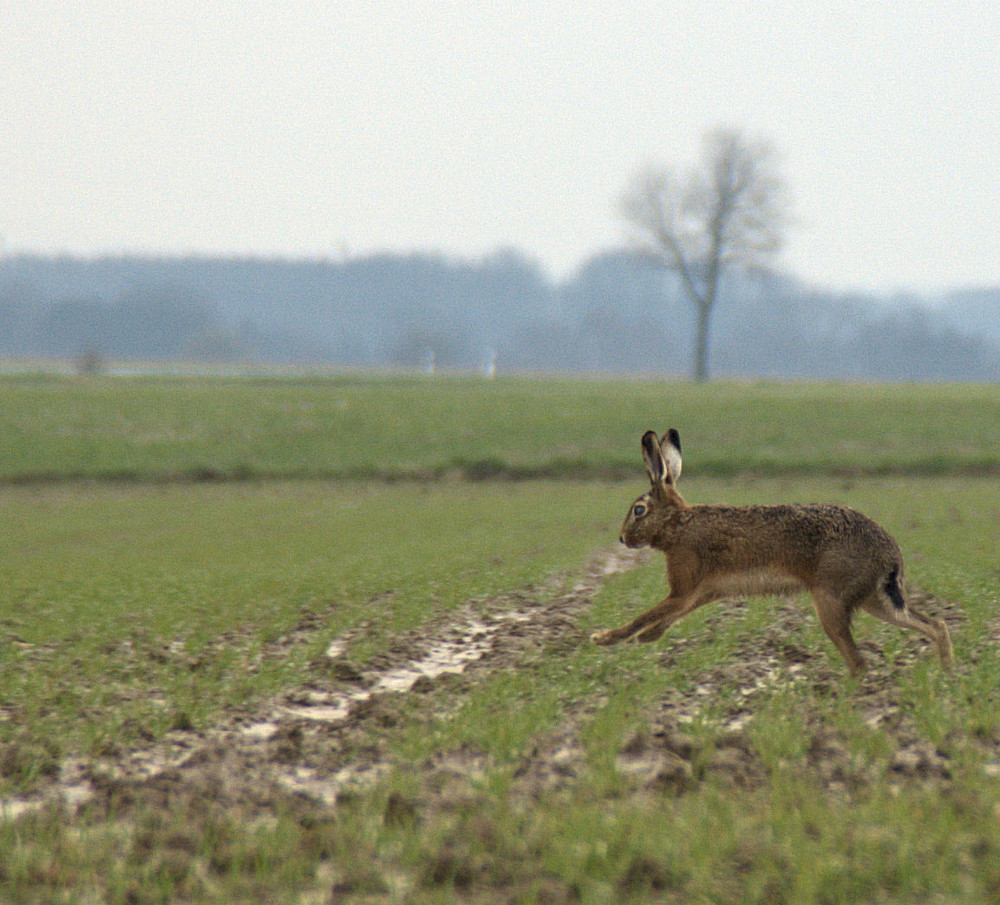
x: 894, y: 589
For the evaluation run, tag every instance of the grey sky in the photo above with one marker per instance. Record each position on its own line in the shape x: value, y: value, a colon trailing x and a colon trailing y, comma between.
x: 319, y: 128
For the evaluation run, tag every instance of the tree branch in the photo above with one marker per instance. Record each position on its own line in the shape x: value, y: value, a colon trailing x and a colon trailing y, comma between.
x: 730, y: 211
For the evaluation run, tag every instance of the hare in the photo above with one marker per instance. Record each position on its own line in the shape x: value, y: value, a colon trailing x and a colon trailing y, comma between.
x: 842, y: 557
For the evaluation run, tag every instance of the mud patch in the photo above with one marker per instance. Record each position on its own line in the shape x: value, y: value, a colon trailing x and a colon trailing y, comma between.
x: 691, y: 738
x: 317, y: 751
x: 776, y: 657
x: 315, y: 742
x: 317, y: 747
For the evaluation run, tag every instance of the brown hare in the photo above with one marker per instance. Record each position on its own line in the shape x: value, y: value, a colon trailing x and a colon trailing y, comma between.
x: 843, y: 558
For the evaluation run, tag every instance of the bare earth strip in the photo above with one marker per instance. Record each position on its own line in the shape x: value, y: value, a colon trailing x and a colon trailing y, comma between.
x: 307, y: 742
x: 313, y: 745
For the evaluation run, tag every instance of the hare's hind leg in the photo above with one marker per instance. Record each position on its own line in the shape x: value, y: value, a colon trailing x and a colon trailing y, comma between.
x: 905, y: 617
x: 835, y: 617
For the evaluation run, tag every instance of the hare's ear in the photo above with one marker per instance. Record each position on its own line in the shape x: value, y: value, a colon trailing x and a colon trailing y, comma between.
x: 670, y: 447
x: 656, y: 467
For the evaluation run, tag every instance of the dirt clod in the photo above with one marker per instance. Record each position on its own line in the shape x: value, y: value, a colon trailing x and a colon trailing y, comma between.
x: 643, y: 876
x: 345, y: 671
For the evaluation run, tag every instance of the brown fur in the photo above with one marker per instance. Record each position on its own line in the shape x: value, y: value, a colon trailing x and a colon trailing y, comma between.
x: 842, y: 557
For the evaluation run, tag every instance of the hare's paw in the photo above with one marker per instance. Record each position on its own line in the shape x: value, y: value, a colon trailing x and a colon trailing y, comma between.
x: 605, y: 637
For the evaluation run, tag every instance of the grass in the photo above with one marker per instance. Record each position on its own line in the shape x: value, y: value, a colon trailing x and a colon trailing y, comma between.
x: 356, y: 427
x: 780, y: 838
x: 131, y: 608
x: 196, y: 584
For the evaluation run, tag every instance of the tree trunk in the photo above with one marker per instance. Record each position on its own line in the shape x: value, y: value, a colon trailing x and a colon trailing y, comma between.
x: 701, y: 343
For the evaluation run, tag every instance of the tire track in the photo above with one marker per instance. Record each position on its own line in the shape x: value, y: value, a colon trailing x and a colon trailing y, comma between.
x: 311, y: 741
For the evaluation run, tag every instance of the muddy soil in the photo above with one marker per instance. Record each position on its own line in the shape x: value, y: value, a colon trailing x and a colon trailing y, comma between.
x: 667, y: 755
x: 314, y: 746
x: 315, y: 741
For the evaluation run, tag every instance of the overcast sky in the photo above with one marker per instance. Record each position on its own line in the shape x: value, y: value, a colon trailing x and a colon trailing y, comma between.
x: 329, y: 128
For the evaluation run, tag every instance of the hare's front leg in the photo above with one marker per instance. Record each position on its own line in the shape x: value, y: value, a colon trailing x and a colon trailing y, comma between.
x: 651, y: 624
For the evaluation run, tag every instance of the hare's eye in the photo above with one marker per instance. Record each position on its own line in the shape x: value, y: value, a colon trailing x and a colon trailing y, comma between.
x: 640, y: 509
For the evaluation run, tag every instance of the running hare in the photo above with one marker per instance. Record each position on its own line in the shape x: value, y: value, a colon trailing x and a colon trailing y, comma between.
x: 843, y: 558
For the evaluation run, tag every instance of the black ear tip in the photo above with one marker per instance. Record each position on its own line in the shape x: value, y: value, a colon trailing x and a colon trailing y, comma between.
x: 675, y: 438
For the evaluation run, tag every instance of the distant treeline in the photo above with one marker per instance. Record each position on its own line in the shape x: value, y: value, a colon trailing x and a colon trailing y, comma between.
x: 614, y: 315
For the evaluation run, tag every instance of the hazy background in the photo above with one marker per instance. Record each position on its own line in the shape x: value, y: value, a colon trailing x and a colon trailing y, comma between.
x: 336, y: 132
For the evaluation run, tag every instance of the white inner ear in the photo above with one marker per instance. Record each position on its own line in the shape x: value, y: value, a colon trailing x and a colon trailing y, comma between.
x: 672, y: 459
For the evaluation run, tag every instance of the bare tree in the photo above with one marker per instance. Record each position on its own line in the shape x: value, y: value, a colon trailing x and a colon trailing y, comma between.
x: 730, y: 210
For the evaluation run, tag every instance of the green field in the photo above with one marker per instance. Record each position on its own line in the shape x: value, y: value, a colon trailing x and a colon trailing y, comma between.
x: 148, y: 428
x: 195, y: 573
